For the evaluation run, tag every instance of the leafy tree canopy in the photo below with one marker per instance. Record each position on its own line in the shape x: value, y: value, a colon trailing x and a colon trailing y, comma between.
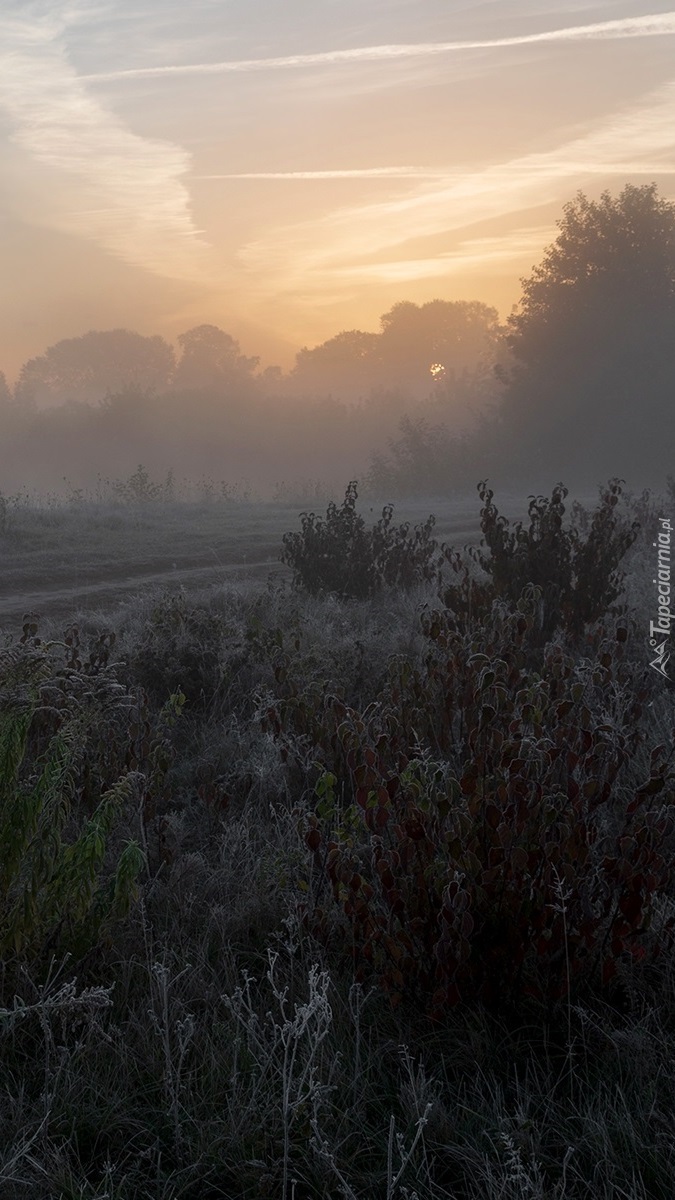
x: 419, y: 346
x: 209, y: 359
x: 610, y: 271
x: 593, y: 341
x: 439, y: 338
x: 347, y: 364
x: 86, y: 368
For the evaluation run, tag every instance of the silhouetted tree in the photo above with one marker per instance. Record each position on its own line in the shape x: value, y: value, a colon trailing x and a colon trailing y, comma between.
x: 429, y: 458
x: 592, y: 383
x: 13, y: 417
x: 347, y: 365
x: 86, y: 368
x: 436, y: 348
x: 211, y: 359
x: 436, y: 344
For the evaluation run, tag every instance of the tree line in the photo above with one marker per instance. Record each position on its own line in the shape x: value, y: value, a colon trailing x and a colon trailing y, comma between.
x: 579, y: 381
x: 420, y: 349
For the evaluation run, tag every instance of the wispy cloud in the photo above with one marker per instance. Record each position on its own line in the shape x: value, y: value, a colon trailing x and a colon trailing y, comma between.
x: 130, y: 196
x: 369, y: 240
x: 654, y: 25
x: 355, y: 173
x: 472, y: 253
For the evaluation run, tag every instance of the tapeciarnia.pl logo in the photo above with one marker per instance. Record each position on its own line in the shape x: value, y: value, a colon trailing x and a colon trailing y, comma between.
x: 659, y: 630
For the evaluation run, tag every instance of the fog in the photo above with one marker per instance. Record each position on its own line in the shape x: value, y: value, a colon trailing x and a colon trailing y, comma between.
x: 576, y: 386
x: 89, y: 410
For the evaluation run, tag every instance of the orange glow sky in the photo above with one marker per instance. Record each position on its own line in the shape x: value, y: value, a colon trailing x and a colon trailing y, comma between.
x: 289, y: 168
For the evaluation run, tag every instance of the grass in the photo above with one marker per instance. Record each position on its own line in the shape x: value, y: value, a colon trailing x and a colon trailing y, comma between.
x: 209, y: 1047
x: 92, y: 554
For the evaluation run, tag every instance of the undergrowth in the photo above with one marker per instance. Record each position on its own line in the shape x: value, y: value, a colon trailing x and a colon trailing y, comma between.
x: 311, y: 896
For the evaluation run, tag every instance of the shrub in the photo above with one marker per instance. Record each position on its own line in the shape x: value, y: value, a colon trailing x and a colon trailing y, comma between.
x: 479, y: 828
x: 339, y: 554
x: 577, y: 576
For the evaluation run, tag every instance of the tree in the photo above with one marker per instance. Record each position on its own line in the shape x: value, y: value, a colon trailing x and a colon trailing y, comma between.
x: 86, y: 368
x: 591, y: 385
x: 347, y: 365
x: 438, y: 344
x: 211, y: 359
x: 14, y: 417
x: 436, y: 348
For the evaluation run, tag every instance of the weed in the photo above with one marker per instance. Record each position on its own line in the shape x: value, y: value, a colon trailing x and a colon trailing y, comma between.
x: 181, y: 648
x: 139, y: 488
x: 53, y: 892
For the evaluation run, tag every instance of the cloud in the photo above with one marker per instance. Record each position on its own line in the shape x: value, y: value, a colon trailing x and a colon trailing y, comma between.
x: 356, y: 173
x: 473, y: 253
x: 130, y: 196
x: 364, y: 239
x: 654, y: 25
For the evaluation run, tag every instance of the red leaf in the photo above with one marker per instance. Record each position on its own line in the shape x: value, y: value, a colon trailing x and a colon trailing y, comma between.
x: 492, y: 815
x: 519, y: 859
x: 313, y: 839
x: 630, y: 905
x: 381, y: 817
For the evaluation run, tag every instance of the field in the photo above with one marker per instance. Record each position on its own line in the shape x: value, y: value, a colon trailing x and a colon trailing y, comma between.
x: 216, y: 1017
x: 58, y: 559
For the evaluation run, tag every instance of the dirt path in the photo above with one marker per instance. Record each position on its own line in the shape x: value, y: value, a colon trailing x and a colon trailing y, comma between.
x: 80, y: 565
x: 121, y: 585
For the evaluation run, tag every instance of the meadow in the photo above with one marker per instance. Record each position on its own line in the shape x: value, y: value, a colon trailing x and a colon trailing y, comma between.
x: 91, y: 551
x: 305, y: 895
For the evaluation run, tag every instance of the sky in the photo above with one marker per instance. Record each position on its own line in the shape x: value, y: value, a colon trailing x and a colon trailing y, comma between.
x: 287, y: 169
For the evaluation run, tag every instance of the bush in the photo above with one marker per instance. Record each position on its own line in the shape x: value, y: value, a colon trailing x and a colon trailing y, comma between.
x: 480, y: 827
x: 340, y: 555
x: 577, y: 576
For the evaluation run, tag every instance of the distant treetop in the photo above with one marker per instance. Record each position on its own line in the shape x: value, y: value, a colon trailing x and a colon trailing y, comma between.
x: 86, y: 368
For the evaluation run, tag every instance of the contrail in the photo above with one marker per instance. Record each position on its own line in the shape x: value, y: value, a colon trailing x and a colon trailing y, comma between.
x: 655, y: 25
x: 307, y: 255
x: 355, y: 173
